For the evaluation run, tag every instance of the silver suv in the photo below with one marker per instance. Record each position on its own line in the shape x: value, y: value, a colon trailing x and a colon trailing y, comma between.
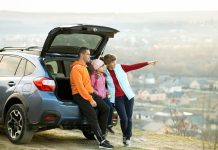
x: 35, y: 91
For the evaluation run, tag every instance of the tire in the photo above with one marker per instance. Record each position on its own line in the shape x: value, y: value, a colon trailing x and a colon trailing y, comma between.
x: 16, y: 125
x: 89, y: 135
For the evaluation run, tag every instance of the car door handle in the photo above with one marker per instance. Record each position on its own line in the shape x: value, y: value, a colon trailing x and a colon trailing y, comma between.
x: 11, y: 83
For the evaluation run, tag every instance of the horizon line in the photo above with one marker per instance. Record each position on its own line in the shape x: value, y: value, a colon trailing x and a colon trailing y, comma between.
x: 51, y: 12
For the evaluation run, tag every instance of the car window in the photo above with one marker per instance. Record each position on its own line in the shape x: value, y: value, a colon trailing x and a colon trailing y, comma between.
x: 52, y: 67
x: 55, y: 68
x: 21, y: 68
x: 70, y: 43
x: 77, y: 39
x: 67, y: 67
x: 29, y: 68
x: 8, y: 65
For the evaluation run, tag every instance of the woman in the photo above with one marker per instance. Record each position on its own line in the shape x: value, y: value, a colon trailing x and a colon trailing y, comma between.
x: 121, y: 93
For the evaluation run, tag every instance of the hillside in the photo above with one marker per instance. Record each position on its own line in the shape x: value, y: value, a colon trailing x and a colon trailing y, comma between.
x: 65, y: 140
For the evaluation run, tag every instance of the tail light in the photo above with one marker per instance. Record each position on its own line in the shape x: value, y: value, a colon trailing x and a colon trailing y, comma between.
x: 44, y: 84
x: 50, y: 118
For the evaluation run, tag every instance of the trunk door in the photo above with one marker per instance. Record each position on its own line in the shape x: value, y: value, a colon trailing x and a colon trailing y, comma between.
x: 66, y: 40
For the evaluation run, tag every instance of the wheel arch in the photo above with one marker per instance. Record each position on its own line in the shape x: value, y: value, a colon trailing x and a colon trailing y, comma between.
x: 15, y: 98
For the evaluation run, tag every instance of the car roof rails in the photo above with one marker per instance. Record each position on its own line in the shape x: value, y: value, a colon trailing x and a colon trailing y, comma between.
x: 32, y: 48
x: 12, y: 48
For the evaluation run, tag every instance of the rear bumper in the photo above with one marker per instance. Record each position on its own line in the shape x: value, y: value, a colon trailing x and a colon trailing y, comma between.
x: 49, y: 111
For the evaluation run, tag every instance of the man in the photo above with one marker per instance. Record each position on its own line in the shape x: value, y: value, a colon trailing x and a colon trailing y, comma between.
x: 84, y: 96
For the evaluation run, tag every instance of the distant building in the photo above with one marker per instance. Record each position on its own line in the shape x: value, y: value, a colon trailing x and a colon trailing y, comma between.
x: 142, y: 94
x: 171, y: 85
x: 163, y: 78
x: 175, y: 89
x: 201, y: 84
x: 185, y: 82
x: 151, y: 95
x: 215, y: 85
x: 150, y: 79
x: 141, y: 79
x: 186, y: 99
x: 195, y: 85
x: 157, y: 97
x: 144, y: 115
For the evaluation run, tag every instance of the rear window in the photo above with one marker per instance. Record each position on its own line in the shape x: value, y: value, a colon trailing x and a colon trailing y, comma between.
x: 29, y: 68
x: 70, y: 43
x: 8, y: 65
x: 21, y: 68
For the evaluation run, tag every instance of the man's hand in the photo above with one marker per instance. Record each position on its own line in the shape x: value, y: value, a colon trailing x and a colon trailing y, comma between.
x: 93, y: 103
x: 152, y: 62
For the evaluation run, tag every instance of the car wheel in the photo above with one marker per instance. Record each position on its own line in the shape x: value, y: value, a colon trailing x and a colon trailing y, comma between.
x: 89, y: 135
x: 16, y: 125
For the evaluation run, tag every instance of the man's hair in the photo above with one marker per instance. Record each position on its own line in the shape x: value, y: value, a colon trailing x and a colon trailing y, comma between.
x: 109, y: 58
x: 82, y: 50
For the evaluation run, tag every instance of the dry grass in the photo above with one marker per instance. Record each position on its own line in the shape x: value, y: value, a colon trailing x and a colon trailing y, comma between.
x: 69, y: 140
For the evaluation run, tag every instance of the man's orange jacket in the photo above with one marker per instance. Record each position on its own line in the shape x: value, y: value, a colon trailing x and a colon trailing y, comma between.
x: 80, y: 80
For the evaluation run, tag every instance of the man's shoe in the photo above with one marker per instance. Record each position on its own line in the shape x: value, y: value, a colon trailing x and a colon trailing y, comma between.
x: 110, y: 130
x: 106, y: 145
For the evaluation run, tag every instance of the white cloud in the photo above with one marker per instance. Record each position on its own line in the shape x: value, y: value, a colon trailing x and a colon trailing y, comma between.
x: 107, y: 5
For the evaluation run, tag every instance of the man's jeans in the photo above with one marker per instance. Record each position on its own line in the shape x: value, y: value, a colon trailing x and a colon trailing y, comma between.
x: 98, y: 123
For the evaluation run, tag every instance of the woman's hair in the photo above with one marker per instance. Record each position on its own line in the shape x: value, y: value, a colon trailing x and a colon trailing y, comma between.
x: 109, y: 58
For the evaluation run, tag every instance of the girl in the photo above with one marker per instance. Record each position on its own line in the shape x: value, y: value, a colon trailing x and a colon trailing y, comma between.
x: 98, y: 83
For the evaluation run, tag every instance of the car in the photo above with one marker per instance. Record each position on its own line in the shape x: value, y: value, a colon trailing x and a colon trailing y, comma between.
x: 35, y: 90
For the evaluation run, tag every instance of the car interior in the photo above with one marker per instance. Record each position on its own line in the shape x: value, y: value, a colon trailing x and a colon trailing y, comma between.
x: 60, y: 72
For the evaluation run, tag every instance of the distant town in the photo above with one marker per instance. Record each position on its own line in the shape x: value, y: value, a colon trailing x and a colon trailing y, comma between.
x: 175, y: 105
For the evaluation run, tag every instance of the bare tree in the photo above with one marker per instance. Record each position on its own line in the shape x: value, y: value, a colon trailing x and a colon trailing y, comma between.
x: 209, y: 134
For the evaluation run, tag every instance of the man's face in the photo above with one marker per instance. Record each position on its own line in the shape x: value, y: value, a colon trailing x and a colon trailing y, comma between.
x: 86, y: 56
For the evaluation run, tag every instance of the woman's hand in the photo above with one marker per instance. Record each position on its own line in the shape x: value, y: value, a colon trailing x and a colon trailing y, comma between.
x: 152, y: 62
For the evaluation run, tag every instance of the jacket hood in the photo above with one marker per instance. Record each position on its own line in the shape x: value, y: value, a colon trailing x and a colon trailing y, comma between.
x: 77, y: 62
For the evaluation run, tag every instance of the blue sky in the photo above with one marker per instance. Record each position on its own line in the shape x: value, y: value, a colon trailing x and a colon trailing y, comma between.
x: 117, y: 6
